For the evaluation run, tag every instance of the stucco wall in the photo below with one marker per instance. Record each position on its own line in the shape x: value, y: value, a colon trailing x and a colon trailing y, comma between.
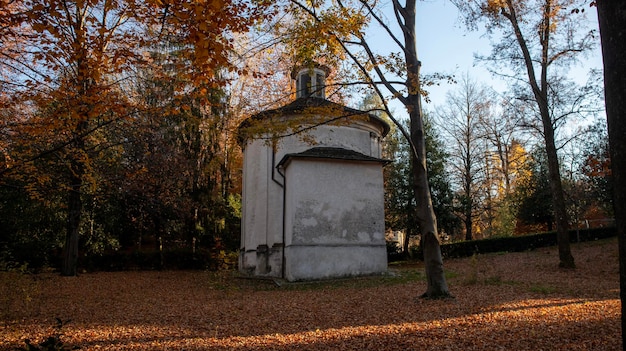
x: 262, y: 212
x: 262, y: 203
x: 334, y: 219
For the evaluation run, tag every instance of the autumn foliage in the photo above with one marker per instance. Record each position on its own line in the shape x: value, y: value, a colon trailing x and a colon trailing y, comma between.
x: 74, y: 109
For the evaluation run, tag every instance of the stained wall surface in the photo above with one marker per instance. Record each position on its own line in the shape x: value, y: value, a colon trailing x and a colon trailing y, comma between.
x: 275, y: 202
x: 334, y: 219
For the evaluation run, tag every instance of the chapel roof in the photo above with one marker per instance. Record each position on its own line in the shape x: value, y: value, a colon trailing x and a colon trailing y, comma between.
x: 300, y: 106
x: 336, y: 153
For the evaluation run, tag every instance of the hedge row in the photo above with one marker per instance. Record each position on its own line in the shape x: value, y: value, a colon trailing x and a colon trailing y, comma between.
x: 519, y: 243
x: 149, y: 260
x: 174, y: 259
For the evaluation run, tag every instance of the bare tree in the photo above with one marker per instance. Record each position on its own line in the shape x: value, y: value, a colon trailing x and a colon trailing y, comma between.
x: 501, y: 130
x: 539, y: 40
x: 505, y: 145
x: 461, y: 119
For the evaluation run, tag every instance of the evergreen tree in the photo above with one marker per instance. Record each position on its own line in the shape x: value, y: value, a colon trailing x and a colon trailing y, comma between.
x: 532, y: 194
x: 399, y: 196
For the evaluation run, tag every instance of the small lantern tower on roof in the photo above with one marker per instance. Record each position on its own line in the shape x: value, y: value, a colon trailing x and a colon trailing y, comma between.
x: 310, y: 81
x: 313, y: 208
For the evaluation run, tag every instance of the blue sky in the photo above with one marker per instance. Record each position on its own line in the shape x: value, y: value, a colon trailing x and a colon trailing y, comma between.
x: 445, y: 46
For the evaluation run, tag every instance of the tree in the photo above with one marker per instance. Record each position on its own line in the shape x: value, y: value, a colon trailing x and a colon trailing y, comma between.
x: 184, y: 157
x: 612, y: 20
x: 337, y: 28
x: 505, y: 155
x: 596, y: 166
x: 439, y: 179
x: 69, y: 65
x: 68, y: 77
x: 538, y: 38
x: 532, y: 194
x: 399, y: 198
x: 461, y: 119
x: 588, y: 182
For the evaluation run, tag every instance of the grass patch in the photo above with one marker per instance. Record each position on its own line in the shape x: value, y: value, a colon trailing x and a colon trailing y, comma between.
x: 234, y: 281
x: 498, y: 281
x: 543, y: 289
x: 396, y: 277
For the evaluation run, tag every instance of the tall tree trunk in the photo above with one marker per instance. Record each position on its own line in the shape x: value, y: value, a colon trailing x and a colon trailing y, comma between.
x: 467, y: 138
x: 70, y: 250
x: 612, y: 20
x: 74, y: 207
x: 539, y: 88
x: 433, y: 261
x: 467, y: 213
x: 566, y: 260
x: 77, y: 155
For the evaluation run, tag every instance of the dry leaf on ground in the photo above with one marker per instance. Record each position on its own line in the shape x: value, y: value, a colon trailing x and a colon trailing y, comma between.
x: 514, y: 301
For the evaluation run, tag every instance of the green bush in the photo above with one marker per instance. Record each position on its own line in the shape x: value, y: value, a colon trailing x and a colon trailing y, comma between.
x: 181, y: 258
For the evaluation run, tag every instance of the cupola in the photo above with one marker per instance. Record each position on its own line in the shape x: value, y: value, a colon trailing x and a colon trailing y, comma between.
x: 310, y: 81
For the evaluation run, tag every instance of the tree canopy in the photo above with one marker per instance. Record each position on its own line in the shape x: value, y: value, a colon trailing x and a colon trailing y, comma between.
x: 67, y: 69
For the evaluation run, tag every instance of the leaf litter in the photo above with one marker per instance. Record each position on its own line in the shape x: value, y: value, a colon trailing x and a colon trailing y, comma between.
x: 504, y: 301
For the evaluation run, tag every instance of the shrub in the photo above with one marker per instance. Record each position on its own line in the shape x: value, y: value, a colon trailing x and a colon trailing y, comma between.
x: 520, y: 243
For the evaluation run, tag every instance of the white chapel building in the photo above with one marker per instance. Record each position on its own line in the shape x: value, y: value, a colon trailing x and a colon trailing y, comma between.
x: 312, y: 202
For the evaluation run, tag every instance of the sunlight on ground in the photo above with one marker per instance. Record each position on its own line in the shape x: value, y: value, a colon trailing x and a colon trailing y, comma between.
x: 517, y: 325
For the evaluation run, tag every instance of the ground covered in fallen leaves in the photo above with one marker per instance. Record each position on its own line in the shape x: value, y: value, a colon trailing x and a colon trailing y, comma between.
x: 507, y: 301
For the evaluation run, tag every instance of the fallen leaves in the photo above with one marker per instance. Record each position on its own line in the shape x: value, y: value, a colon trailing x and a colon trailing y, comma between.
x: 500, y: 308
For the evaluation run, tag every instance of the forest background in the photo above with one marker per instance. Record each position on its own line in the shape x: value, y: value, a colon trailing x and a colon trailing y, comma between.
x: 119, y: 134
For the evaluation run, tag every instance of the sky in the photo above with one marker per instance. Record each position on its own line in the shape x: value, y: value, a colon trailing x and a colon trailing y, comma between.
x: 444, y: 45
